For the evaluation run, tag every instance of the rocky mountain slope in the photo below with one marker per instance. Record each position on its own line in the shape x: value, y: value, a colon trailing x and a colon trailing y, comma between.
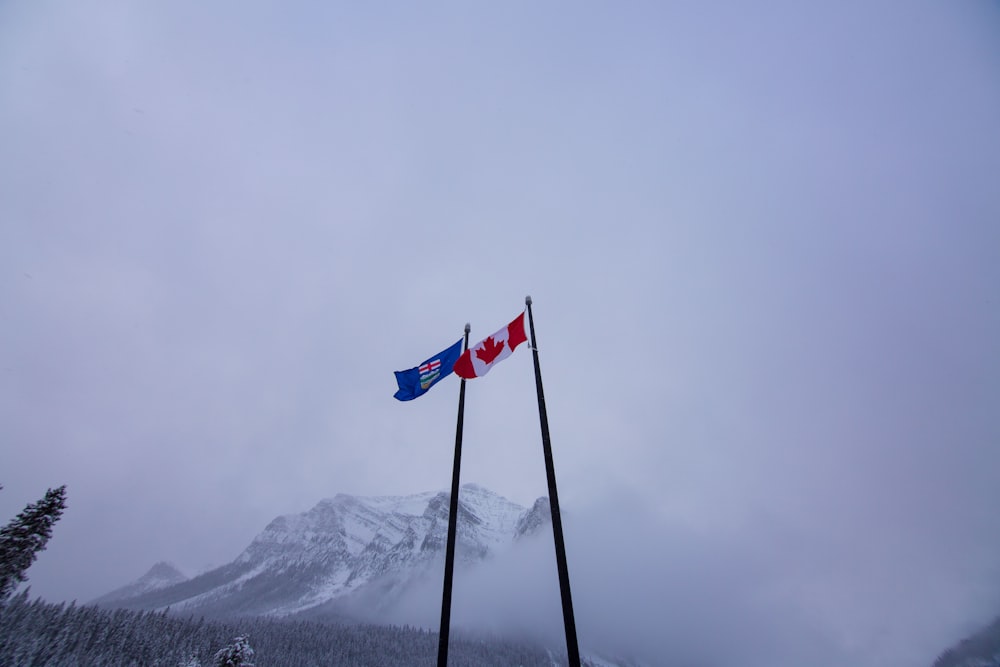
x: 161, y: 575
x: 981, y: 649
x: 344, y: 548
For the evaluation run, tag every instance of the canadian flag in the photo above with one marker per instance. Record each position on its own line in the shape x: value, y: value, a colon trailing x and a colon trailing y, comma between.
x: 481, y: 357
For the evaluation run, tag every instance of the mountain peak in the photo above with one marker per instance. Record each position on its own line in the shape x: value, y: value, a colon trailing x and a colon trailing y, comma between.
x: 161, y: 575
x: 163, y: 571
x: 472, y: 486
x: 529, y: 522
x: 342, y: 549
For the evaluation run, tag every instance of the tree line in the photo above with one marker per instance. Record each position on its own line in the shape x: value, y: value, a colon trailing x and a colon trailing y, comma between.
x: 42, y: 634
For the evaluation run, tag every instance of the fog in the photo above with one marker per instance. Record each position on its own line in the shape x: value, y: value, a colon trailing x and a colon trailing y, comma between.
x: 762, y: 245
x: 658, y: 591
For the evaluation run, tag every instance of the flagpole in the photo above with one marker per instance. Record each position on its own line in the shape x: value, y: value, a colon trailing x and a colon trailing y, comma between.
x: 572, y: 648
x: 449, y: 558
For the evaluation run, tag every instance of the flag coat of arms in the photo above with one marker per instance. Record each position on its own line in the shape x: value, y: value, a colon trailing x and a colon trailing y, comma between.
x: 481, y: 357
x: 415, y: 381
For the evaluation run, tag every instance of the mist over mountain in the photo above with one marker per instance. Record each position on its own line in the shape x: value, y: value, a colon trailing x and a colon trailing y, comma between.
x: 980, y: 649
x: 161, y: 575
x: 348, y: 556
x: 647, y: 589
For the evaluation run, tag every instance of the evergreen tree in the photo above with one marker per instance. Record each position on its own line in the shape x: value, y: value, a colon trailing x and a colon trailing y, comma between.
x: 25, y: 536
x: 236, y: 654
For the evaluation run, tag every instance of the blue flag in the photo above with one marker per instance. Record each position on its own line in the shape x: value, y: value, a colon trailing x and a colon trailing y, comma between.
x: 416, y: 381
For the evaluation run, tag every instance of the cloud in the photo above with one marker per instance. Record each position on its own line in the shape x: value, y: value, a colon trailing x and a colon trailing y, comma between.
x: 656, y: 590
x: 761, y: 243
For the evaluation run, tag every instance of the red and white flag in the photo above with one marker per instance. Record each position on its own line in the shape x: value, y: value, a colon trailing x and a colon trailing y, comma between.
x: 481, y: 357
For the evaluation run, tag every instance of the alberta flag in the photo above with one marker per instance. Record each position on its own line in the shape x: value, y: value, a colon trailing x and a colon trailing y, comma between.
x: 416, y: 381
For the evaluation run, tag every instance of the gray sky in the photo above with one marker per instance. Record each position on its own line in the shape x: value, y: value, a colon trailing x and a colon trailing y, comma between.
x: 763, y: 245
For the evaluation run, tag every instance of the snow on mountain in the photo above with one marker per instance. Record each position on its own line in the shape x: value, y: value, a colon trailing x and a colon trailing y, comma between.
x: 347, y: 547
x: 538, y: 516
x: 161, y: 575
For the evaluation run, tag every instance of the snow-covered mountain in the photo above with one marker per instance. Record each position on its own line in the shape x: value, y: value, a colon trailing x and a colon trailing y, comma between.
x: 161, y: 575
x: 347, y: 548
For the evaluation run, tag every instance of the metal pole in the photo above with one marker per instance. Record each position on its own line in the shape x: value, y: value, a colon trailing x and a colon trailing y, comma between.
x: 449, y: 558
x: 572, y: 648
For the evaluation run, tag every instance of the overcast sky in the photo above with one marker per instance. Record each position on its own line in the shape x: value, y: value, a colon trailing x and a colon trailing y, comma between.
x: 763, y: 245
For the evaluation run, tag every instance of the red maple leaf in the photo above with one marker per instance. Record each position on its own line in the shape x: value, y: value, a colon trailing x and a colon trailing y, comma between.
x: 490, y: 350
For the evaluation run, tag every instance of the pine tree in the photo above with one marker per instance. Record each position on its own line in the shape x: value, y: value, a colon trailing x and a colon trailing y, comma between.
x: 25, y: 536
x: 236, y: 654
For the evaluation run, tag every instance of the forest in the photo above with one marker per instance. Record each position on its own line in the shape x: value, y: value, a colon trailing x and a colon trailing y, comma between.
x: 43, y: 634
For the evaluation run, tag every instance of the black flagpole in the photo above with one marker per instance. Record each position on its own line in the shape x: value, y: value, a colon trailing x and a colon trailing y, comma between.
x: 449, y: 558
x: 572, y: 649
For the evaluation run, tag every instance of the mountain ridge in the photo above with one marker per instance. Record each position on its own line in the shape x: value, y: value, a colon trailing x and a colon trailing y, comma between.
x: 161, y: 575
x: 345, y: 547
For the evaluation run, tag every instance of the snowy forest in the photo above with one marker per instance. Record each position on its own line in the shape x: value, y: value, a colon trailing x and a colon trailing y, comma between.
x: 38, y: 633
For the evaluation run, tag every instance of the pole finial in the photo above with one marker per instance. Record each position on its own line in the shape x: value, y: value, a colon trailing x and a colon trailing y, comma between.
x: 527, y: 300
x: 468, y: 327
